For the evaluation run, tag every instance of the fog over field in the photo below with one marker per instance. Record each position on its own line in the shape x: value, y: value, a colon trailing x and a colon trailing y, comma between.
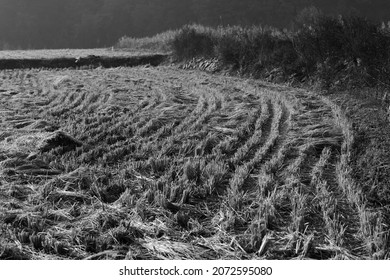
x: 98, y: 23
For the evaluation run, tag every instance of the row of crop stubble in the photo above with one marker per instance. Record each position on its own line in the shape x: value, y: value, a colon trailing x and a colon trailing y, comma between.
x: 172, y: 164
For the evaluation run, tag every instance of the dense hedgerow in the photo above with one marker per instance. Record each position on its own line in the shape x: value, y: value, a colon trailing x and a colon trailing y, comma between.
x: 255, y: 49
x: 245, y: 49
x: 350, y: 50
x: 333, y: 52
x: 194, y: 40
x: 343, y: 52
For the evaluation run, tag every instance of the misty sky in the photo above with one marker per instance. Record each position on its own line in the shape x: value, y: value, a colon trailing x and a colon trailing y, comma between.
x: 98, y: 23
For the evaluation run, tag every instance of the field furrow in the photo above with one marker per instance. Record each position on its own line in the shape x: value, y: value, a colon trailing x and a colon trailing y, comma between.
x: 153, y: 163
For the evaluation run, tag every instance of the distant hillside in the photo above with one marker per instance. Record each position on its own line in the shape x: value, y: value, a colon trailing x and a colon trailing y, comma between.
x: 98, y: 23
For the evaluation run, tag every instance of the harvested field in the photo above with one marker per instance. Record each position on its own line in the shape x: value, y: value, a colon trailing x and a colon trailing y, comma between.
x: 161, y: 163
x: 68, y: 53
x: 108, y: 60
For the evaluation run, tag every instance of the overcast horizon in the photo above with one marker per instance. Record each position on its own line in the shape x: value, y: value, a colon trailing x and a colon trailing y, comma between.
x: 35, y: 24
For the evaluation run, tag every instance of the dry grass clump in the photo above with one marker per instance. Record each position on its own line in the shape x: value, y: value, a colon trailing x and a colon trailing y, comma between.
x: 158, y: 43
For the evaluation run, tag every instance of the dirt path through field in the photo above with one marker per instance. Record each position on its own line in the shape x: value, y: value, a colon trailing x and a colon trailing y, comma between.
x: 161, y: 163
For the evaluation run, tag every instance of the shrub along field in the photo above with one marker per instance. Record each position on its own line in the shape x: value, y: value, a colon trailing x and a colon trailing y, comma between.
x: 161, y: 163
x: 332, y: 53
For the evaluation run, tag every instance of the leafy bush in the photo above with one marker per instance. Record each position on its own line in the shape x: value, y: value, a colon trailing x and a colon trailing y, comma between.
x: 338, y: 50
x: 192, y: 41
x: 253, y: 48
x: 343, y: 52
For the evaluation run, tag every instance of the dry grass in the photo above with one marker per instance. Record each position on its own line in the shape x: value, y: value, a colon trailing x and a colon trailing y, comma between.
x: 68, y: 53
x: 158, y: 43
x: 161, y: 163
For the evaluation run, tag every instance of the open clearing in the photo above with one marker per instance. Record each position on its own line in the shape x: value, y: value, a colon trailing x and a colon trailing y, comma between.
x: 161, y: 163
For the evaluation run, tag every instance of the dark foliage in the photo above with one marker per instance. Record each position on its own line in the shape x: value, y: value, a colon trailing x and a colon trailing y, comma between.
x: 190, y: 43
x: 352, y: 50
x: 334, y: 52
